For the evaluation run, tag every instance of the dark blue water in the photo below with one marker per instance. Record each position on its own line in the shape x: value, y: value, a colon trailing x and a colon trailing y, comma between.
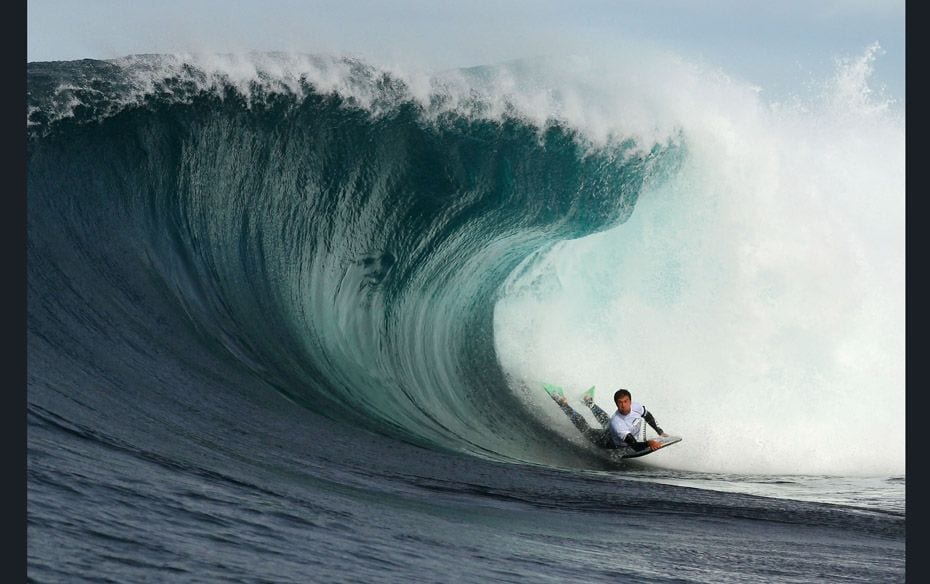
x: 261, y: 349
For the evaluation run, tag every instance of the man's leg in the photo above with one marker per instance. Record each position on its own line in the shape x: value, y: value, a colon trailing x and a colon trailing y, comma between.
x: 601, y: 415
x: 575, y: 417
x: 596, y: 437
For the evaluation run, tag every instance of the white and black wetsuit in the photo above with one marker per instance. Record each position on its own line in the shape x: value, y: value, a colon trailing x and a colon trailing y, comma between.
x: 628, y: 430
x: 608, y: 436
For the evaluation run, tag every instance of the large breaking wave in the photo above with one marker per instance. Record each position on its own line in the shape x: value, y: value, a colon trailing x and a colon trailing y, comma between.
x: 408, y: 254
x: 346, y: 244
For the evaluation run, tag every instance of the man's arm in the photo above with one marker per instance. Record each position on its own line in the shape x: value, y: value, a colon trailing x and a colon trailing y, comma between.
x: 640, y: 446
x: 632, y: 443
x: 650, y: 419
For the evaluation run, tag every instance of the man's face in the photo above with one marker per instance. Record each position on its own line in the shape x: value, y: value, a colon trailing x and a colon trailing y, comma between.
x: 623, y: 404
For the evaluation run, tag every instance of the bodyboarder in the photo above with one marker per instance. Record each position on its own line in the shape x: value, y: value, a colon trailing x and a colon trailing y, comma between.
x: 624, y: 429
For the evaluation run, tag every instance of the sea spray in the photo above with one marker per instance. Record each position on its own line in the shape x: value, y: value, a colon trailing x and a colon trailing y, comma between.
x: 755, y: 302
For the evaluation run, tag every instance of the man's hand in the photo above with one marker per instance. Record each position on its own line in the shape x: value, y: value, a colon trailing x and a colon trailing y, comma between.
x: 654, y: 444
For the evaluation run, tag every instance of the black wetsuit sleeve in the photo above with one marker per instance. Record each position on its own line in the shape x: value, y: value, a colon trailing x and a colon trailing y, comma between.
x: 650, y: 419
x: 632, y: 443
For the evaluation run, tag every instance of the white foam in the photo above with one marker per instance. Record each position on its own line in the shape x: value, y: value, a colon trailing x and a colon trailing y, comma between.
x: 605, y: 100
x: 756, y: 302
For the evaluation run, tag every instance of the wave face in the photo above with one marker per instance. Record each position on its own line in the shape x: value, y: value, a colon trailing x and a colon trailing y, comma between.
x: 346, y: 251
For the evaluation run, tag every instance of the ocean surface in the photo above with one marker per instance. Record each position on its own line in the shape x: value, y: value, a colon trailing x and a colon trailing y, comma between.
x: 289, y: 317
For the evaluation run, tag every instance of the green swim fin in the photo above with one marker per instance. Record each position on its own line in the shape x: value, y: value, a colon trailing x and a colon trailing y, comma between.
x: 554, y: 391
x: 588, y: 396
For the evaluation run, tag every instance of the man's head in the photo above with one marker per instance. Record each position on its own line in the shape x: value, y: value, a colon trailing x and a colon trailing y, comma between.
x: 624, y: 400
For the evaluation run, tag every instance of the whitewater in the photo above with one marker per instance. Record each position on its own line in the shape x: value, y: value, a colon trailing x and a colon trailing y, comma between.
x: 289, y: 317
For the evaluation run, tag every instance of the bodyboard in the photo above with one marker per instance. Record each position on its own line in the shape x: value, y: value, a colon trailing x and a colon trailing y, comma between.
x: 666, y: 441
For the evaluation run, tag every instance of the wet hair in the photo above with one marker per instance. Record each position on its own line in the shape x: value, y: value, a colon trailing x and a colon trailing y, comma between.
x: 622, y: 393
